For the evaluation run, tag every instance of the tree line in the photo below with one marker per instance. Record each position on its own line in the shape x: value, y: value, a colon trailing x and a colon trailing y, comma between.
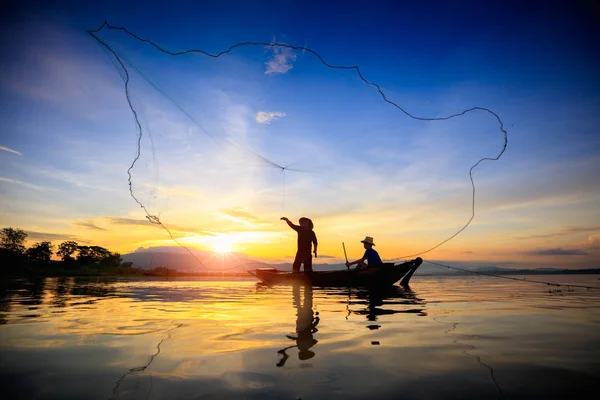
x: 72, y: 255
x: 73, y: 259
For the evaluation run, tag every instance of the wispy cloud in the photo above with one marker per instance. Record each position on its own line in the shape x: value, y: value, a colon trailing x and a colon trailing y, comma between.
x: 265, y: 117
x: 593, y: 242
x: 566, y: 231
x: 128, y: 221
x: 21, y: 183
x: 89, y: 225
x: 52, y: 236
x: 281, y: 61
x: 557, y: 252
x: 4, y: 148
x: 239, y: 214
x: 146, y: 223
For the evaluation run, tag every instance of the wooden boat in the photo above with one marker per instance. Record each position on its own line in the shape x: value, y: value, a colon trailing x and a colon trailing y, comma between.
x: 384, y: 275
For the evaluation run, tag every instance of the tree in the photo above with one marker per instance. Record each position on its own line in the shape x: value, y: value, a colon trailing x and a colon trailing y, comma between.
x: 41, y: 251
x: 66, y: 250
x: 84, y: 254
x: 100, y: 253
x: 127, y: 265
x: 91, y: 254
x: 113, y: 260
x: 13, y: 240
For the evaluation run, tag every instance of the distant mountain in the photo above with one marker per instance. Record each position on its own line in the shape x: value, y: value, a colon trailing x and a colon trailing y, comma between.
x: 186, y: 260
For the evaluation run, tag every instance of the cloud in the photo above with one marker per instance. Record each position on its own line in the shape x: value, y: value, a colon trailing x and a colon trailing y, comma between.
x: 128, y: 221
x: 145, y: 222
x: 281, y: 62
x: 239, y: 214
x: 52, y: 236
x: 557, y: 252
x: 21, y: 183
x: 88, y: 225
x: 10, y: 150
x: 265, y: 117
x: 593, y: 242
x: 566, y: 231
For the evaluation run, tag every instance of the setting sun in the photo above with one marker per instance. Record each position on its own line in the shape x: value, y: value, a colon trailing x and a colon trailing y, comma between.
x: 222, y: 244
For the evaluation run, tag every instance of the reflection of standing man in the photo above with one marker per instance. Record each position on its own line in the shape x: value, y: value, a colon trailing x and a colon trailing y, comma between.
x: 306, y: 326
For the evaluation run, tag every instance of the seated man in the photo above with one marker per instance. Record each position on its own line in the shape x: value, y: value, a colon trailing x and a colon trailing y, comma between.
x: 371, y: 256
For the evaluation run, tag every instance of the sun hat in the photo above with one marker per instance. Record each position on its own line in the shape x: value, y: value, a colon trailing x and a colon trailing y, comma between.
x: 369, y: 240
x: 310, y: 223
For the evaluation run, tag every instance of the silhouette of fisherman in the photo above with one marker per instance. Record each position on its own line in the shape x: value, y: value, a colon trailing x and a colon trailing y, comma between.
x: 371, y: 256
x: 306, y: 326
x: 306, y: 237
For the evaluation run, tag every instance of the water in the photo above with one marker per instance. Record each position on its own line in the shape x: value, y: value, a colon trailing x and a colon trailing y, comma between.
x: 451, y: 337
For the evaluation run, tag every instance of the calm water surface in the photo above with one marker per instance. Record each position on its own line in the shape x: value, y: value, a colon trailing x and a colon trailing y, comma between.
x: 459, y: 337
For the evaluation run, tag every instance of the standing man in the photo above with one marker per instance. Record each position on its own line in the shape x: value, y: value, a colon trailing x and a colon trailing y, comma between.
x: 306, y: 237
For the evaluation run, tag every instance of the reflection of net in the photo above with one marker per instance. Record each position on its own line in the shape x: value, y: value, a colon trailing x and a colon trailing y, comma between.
x: 155, y: 219
x: 147, y: 365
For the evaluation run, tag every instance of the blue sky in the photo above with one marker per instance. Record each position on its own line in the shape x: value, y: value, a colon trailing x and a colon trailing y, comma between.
x: 68, y: 135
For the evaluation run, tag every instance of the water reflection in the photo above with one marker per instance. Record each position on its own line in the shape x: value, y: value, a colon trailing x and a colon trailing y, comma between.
x: 4, y: 300
x: 371, y: 303
x: 374, y: 303
x: 306, y: 325
x: 27, y: 293
x: 30, y: 293
x: 144, y: 367
x: 225, y: 339
x: 61, y: 288
x: 37, y: 297
x: 88, y: 288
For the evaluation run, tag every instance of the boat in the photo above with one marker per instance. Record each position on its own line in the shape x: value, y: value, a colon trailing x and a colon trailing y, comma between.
x: 385, y: 274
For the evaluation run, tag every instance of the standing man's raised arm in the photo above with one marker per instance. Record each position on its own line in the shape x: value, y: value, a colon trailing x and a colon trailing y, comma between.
x: 294, y: 227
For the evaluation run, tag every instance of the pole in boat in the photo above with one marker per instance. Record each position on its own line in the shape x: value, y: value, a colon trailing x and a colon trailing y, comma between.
x: 344, y: 246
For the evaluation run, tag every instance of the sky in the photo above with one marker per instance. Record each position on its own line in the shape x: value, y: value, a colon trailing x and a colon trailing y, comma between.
x: 214, y: 129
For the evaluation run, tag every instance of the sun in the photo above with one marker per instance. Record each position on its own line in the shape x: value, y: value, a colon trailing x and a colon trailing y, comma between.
x: 221, y: 244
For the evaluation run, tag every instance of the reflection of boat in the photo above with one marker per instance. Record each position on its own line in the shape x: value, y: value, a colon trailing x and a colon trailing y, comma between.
x: 384, y: 275
x: 401, y: 300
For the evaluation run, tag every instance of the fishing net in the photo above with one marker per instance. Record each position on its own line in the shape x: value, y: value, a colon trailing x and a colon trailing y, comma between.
x: 259, y: 130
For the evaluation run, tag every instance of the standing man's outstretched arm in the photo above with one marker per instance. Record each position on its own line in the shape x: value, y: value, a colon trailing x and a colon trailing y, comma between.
x: 294, y: 227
